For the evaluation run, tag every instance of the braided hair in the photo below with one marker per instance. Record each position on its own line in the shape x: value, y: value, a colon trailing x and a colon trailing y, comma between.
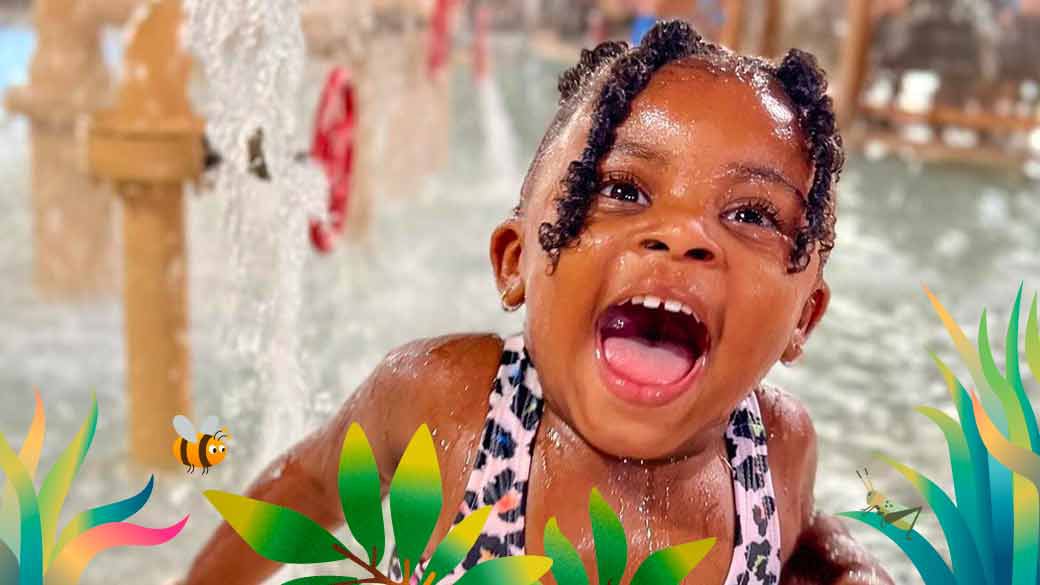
x: 614, y: 74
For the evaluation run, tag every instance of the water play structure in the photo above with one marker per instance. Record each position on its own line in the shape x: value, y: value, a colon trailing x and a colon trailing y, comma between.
x: 142, y: 143
x: 73, y: 244
x: 147, y: 146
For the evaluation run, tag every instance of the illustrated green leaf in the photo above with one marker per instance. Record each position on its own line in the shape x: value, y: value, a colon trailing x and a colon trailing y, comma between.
x: 671, y: 565
x: 58, y: 480
x: 359, y: 492
x: 928, y: 562
x: 567, y: 567
x: 274, y: 532
x: 29, y: 455
x: 415, y: 497
x: 1014, y: 374
x: 609, y: 536
x: 323, y: 580
x: 963, y: 550
x: 522, y: 570
x: 30, y: 554
x: 1033, y: 340
x: 456, y: 545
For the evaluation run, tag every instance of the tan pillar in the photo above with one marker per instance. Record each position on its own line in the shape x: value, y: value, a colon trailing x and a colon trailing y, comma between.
x: 855, y: 50
x: 112, y: 12
x: 148, y: 145
x: 73, y: 243
x: 733, y: 27
x: 772, y: 28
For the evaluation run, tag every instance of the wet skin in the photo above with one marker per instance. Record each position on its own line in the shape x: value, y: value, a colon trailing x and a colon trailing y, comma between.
x: 702, y: 194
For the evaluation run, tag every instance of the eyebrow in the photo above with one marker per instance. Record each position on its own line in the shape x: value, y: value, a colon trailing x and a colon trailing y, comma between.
x: 753, y: 171
x: 639, y: 150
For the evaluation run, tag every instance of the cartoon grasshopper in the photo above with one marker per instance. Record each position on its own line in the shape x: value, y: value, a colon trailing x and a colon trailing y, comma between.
x: 890, y: 513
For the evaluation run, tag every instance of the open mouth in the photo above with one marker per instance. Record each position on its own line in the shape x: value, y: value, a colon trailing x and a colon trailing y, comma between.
x: 652, y: 347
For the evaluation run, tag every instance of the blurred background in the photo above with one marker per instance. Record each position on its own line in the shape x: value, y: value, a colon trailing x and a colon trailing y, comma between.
x: 237, y: 208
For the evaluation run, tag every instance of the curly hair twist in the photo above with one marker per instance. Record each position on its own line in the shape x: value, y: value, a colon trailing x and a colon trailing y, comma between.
x: 614, y: 74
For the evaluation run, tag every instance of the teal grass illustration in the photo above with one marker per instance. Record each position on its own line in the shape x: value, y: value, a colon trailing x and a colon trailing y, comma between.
x: 32, y: 550
x: 992, y: 525
x: 286, y: 536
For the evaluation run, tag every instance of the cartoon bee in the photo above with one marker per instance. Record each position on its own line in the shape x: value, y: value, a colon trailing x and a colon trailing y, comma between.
x: 890, y: 513
x: 204, y: 449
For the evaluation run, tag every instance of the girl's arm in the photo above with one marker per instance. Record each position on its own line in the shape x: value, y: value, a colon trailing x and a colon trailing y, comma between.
x: 436, y: 381
x: 304, y: 479
x: 827, y: 555
x: 822, y: 552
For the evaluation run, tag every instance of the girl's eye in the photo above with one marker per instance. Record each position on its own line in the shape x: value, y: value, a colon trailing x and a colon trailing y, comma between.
x: 759, y: 214
x: 625, y: 191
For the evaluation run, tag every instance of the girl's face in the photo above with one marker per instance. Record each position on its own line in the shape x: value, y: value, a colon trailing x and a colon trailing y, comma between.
x: 703, y: 192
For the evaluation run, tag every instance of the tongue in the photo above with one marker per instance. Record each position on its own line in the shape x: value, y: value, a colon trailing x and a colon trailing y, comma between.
x: 644, y: 362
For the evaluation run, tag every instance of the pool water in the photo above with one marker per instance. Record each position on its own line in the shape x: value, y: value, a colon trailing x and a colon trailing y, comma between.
x: 970, y: 235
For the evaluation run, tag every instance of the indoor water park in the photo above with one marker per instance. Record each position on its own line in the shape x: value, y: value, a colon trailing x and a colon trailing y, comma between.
x: 238, y: 209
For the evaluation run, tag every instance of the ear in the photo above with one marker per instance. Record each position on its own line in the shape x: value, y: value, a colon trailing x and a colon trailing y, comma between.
x: 506, y: 254
x: 813, y: 310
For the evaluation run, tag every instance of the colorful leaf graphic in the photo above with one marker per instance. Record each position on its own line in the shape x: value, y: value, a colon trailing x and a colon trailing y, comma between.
x: 359, y: 492
x: 1002, y: 518
x: 929, y: 564
x: 1014, y: 375
x: 609, y: 536
x: 58, y: 480
x: 1033, y: 340
x: 455, y: 546
x: 978, y: 508
x: 567, y: 567
x: 523, y: 570
x: 964, y: 485
x: 29, y: 455
x: 31, y: 553
x: 671, y: 565
x: 1021, y: 427
x: 971, y: 360
x: 966, y: 563
x: 323, y: 580
x: 415, y: 498
x: 115, y: 512
x: 1023, y: 462
x: 274, y: 532
x: 68, y: 566
x: 8, y: 565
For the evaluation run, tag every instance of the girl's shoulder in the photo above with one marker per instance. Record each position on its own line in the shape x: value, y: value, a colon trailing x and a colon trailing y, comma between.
x: 449, y: 362
x: 438, y: 381
x: 785, y: 418
x: 792, y: 459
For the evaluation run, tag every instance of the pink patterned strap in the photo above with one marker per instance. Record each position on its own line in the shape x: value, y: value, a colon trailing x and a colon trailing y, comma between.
x: 756, y: 553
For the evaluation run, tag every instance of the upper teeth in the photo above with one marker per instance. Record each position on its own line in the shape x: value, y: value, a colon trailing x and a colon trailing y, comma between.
x: 652, y: 302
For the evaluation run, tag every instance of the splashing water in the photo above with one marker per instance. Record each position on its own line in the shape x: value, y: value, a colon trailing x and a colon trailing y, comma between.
x: 498, y: 131
x: 251, y: 55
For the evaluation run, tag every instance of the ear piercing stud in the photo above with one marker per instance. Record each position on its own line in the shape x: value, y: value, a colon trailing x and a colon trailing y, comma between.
x: 506, y: 306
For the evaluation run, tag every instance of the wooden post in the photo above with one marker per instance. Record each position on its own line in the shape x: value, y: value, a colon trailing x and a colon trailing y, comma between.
x: 148, y: 145
x: 73, y: 243
x: 772, y: 28
x: 733, y: 27
x: 854, y: 55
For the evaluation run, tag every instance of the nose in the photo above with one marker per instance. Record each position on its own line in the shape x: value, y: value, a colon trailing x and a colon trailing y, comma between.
x: 687, y: 242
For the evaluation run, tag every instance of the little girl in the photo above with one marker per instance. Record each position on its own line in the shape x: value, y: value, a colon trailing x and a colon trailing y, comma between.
x: 668, y: 245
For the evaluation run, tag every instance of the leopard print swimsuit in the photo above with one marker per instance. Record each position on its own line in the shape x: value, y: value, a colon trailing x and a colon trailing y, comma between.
x: 503, y: 465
